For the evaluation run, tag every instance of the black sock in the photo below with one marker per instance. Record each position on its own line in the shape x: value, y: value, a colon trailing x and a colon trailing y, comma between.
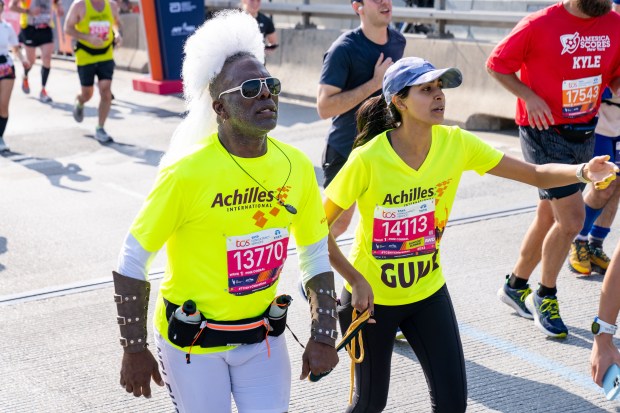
x: 3, y: 122
x: 516, y: 282
x: 45, y: 72
x: 546, y: 291
x: 26, y: 71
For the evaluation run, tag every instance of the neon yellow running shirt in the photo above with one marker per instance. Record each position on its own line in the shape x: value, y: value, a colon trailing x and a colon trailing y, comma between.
x: 100, y: 24
x: 226, y: 236
x: 403, y: 211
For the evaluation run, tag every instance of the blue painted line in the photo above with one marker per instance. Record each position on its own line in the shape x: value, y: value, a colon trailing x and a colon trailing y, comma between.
x: 537, y: 360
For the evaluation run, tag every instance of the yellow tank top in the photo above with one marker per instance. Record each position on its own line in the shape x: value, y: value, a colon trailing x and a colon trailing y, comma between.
x: 99, y: 23
x: 44, y: 19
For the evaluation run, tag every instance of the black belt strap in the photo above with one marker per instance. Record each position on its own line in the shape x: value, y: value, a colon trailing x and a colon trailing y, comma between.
x: 609, y: 102
x: 95, y: 52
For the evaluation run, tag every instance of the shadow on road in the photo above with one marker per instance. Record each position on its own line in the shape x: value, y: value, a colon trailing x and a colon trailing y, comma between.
x: 507, y: 393
x: 146, y: 156
x: 120, y: 109
x: 53, y: 170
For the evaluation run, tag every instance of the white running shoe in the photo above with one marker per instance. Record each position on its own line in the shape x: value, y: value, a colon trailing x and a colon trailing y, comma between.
x: 3, y: 146
x: 102, y: 136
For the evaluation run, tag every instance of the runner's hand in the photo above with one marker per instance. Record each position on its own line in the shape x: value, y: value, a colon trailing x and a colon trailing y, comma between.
x: 601, y: 172
x: 95, y: 41
x: 318, y: 358
x: 380, y: 68
x: 538, y: 112
x: 118, y: 40
x: 604, y: 354
x: 136, y: 372
x: 363, y: 297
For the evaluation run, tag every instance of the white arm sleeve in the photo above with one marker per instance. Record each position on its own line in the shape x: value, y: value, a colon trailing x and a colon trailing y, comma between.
x: 313, y: 260
x: 134, y: 261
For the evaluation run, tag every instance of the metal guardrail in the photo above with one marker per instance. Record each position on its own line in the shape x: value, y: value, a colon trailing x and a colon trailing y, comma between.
x: 399, y: 14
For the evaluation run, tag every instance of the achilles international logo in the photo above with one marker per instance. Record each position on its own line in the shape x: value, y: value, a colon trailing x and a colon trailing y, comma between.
x: 253, y: 198
x: 572, y: 42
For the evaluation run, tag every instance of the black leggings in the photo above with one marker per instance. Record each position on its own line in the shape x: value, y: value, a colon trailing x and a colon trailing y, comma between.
x: 430, y: 328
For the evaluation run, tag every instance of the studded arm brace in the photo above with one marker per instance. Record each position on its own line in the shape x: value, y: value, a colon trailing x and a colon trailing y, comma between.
x: 323, y: 299
x: 132, y: 299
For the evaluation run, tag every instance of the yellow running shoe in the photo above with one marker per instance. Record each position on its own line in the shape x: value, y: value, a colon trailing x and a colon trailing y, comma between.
x: 579, y: 258
x: 598, y: 259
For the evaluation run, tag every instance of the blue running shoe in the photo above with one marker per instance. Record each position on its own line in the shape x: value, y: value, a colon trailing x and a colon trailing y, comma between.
x: 546, y: 313
x: 515, y: 298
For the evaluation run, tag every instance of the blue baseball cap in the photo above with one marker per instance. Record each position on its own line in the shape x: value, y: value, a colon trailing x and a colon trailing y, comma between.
x: 410, y: 71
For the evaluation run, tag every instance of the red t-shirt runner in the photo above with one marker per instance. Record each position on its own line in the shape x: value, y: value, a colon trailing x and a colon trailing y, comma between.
x: 566, y: 60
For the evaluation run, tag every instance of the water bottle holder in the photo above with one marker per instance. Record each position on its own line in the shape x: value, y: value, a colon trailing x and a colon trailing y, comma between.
x: 222, y: 333
x: 181, y: 333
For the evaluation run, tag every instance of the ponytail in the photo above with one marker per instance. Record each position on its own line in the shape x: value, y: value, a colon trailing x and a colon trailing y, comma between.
x: 375, y: 116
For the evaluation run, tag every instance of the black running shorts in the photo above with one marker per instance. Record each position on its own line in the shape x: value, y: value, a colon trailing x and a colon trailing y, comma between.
x: 333, y: 161
x: 103, y: 70
x: 548, y: 146
x: 33, y: 37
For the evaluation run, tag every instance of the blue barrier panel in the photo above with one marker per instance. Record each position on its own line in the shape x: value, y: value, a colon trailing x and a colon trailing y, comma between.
x: 176, y: 20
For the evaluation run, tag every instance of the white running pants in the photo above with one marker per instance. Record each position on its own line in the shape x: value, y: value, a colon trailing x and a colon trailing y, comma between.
x: 258, y: 383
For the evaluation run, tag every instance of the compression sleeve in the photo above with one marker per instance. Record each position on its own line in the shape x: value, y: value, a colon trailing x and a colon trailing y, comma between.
x: 134, y: 261
x: 313, y: 260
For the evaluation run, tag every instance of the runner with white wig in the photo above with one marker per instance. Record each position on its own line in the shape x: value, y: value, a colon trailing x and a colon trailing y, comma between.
x: 226, y: 200
x: 205, y: 53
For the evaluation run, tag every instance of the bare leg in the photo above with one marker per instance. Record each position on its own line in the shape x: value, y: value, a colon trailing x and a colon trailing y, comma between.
x: 106, y: 100
x: 85, y: 94
x: 569, y: 214
x: 531, y: 246
x: 31, y: 55
x: 606, y: 218
x: 6, y: 87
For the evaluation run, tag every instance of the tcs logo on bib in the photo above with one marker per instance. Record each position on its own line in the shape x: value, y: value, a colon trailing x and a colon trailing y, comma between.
x: 388, y: 214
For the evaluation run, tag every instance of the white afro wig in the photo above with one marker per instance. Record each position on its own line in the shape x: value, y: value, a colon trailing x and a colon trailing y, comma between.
x: 228, y: 33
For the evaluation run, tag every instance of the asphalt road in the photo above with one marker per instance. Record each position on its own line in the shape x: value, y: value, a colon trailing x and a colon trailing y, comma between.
x: 66, y: 202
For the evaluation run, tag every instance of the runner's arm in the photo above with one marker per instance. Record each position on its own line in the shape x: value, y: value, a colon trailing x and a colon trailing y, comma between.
x: 134, y: 261
x: 604, y: 352
x: 14, y: 6
x: 332, y: 100
x: 132, y: 290
x: 362, y: 296
x: 58, y: 8
x: 17, y: 52
x: 553, y: 175
x: 538, y: 112
x: 313, y: 260
x: 118, y: 25
x: 75, y: 14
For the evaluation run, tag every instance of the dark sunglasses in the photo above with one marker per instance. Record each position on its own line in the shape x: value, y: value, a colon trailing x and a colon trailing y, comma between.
x: 252, y: 88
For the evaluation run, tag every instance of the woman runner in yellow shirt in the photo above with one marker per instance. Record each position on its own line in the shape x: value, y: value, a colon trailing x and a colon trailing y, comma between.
x: 404, y: 174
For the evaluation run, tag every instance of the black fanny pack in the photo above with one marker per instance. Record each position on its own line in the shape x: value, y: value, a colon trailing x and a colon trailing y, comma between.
x: 577, y: 132
x: 609, y: 102
x: 95, y: 52
x: 211, y: 333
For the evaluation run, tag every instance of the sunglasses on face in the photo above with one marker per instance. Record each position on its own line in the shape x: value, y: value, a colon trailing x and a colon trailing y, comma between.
x: 252, y: 88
